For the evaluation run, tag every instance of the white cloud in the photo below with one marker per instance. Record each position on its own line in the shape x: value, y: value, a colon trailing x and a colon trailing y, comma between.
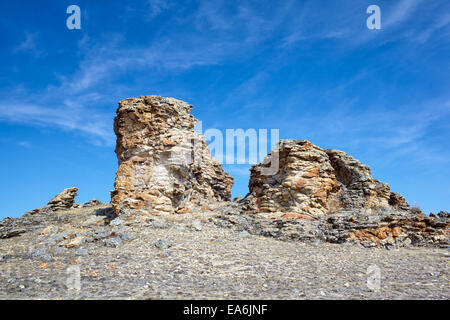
x: 73, y: 104
x: 92, y: 124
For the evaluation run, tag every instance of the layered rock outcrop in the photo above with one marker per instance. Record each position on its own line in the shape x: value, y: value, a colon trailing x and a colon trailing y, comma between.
x: 64, y: 200
x: 92, y: 203
x: 387, y: 228
x: 316, y: 182
x: 299, y: 192
x: 164, y: 165
x: 329, y: 196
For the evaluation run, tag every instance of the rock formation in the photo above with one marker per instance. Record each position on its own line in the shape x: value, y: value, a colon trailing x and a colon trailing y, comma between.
x: 92, y: 203
x: 64, y: 200
x: 164, y: 165
x: 387, y: 228
x: 329, y: 196
x: 313, y: 194
x: 316, y: 182
x: 299, y: 192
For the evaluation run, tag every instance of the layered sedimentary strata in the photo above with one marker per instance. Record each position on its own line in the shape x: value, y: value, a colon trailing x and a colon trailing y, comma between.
x: 299, y: 192
x: 388, y: 228
x: 316, y: 182
x: 164, y: 165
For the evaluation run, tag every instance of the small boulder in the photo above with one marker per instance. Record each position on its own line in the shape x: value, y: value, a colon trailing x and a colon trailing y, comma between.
x: 163, y: 244
x: 196, y: 225
x: 92, y: 203
x: 75, y: 243
x: 9, y: 233
x: 113, y: 242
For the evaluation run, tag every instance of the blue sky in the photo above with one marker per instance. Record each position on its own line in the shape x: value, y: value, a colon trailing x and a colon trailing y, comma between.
x: 312, y: 69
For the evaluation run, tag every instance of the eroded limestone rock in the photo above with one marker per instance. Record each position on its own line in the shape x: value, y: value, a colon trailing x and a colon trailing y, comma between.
x: 316, y: 182
x: 64, y: 200
x: 164, y: 165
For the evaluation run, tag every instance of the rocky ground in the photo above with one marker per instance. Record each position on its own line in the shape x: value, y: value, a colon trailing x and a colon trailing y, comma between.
x: 191, y: 256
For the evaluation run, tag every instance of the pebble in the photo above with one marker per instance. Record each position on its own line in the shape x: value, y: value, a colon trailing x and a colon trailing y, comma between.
x: 113, y: 242
x: 82, y: 252
x: 163, y: 244
x: 165, y: 253
x: 243, y: 234
x: 160, y: 224
x: 196, y: 225
x: 99, y: 234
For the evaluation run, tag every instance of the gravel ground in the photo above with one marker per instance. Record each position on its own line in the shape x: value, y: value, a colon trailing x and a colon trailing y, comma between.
x: 185, y: 260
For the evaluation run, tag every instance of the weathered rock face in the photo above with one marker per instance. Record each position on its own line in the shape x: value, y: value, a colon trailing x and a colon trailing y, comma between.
x: 64, y: 200
x: 326, y: 195
x: 316, y: 182
x: 163, y: 164
x: 388, y: 228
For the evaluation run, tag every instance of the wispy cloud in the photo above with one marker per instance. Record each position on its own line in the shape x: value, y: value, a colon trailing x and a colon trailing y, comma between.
x: 441, y: 25
x: 71, y: 104
x: 400, y: 12
x: 29, y: 45
x: 93, y: 125
x: 399, y: 133
x: 223, y: 32
x: 345, y: 21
